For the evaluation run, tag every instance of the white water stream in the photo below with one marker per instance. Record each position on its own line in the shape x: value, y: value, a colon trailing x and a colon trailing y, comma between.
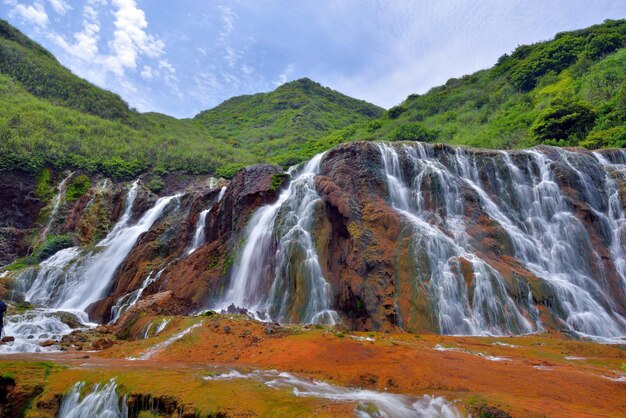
x: 277, y: 275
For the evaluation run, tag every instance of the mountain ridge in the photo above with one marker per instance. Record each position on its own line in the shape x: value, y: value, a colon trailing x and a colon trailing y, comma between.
x: 568, y: 91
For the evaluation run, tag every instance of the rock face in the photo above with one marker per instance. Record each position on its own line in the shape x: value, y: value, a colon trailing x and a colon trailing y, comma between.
x: 426, y: 238
x: 19, y: 207
x: 192, y: 278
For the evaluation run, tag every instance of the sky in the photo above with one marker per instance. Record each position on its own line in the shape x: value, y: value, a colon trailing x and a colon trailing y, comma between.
x: 183, y: 56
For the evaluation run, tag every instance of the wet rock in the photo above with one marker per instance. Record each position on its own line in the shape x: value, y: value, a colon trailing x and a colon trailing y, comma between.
x: 7, y: 339
x: 102, y: 344
x: 68, y: 319
x: 234, y: 310
x: 47, y: 343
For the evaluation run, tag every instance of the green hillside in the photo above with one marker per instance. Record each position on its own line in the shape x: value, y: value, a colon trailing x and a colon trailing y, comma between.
x: 42, y: 75
x: 50, y: 117
x: 275, y: 125
x: 568, y: 91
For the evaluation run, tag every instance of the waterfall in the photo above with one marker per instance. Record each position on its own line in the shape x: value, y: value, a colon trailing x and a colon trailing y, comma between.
x: 198, y: 236
x: 130, y: 299
x: 445, y: 246
x: 37, y: 326
x: 56, y: 203
x: 87, y: 280
x: 616, y: 216
x: 101, y: 401
x: 554, y: 244
x: 277, y: 275
x: 519, y: 191
x: 74, y: 278
x: 158, y: 328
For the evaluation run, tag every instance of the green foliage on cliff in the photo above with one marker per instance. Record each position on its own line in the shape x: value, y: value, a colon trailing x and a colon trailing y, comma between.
x: 78, y: 186
x: 43, y: 185
x: 567, y: 91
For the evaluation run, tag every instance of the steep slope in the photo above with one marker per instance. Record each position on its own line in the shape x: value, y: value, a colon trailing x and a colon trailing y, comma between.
x: 428, y: 238
x: 567, y: 91
x: 43, y: 76
x: 275, y: 124
x: 50, y: 117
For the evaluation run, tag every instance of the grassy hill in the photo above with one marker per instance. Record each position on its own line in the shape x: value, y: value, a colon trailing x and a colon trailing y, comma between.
x: 50, y: 117
x: 568, y: 91
x: 44, y: 77
x: 275, y: 125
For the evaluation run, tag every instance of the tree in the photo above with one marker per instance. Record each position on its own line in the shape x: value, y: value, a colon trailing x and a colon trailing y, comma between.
x: 563, y: 122
x: 413, y: 132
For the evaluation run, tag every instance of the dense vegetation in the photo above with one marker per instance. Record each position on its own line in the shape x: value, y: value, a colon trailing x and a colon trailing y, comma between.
x: 275, y: 125
x: 50, y: 117
x: 568, y: 91
x: 42, y: 75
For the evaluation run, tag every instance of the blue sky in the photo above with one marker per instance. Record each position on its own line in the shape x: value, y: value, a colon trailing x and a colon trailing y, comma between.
x: 180, y: 57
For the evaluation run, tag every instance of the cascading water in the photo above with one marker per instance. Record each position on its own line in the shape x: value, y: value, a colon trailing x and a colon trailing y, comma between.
x: 547, y: 237
x: 444, y: 245
x: 198, y: 236
x: 369, y: 403
x: 33, y: 328
x: 101, y: 401
x: 154, y: 328
x: 277, y: 276
x: 130, y: 299
x: 73, y: 278
x: 148, y: 354
x: 554, y: 245
x: 616, y: 216
x: 56, y: 203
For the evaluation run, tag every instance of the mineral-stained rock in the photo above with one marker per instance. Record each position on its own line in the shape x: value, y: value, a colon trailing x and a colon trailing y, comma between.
x: 47, y: 343
x: 370, y: 253
x: 102, y: 344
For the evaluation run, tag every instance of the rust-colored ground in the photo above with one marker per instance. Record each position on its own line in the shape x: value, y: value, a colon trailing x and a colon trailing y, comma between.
x: 541, y: 375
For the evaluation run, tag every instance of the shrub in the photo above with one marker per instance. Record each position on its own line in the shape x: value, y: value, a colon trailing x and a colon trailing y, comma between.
x: 413, y: 132
x: 612, y: 137
x: 605, y: 44
x: 156, y: 184
x: 395, y: 112
x: 564, y: 122
x: 77, y: 188
x: 278, y: 180
x: 229, y: 170
x: 50, y: 246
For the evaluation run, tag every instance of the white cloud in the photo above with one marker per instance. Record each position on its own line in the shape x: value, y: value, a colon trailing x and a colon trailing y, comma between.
x: 147, y: 73
x: 168, y: 74
x: 60, y: 6
x: 227, y: 17
x: 230, y: 56
x: 35, y: 13
x: 284, y: 76
x: 130, y: 38
x: 165, y: 65
x: 202, y: 51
